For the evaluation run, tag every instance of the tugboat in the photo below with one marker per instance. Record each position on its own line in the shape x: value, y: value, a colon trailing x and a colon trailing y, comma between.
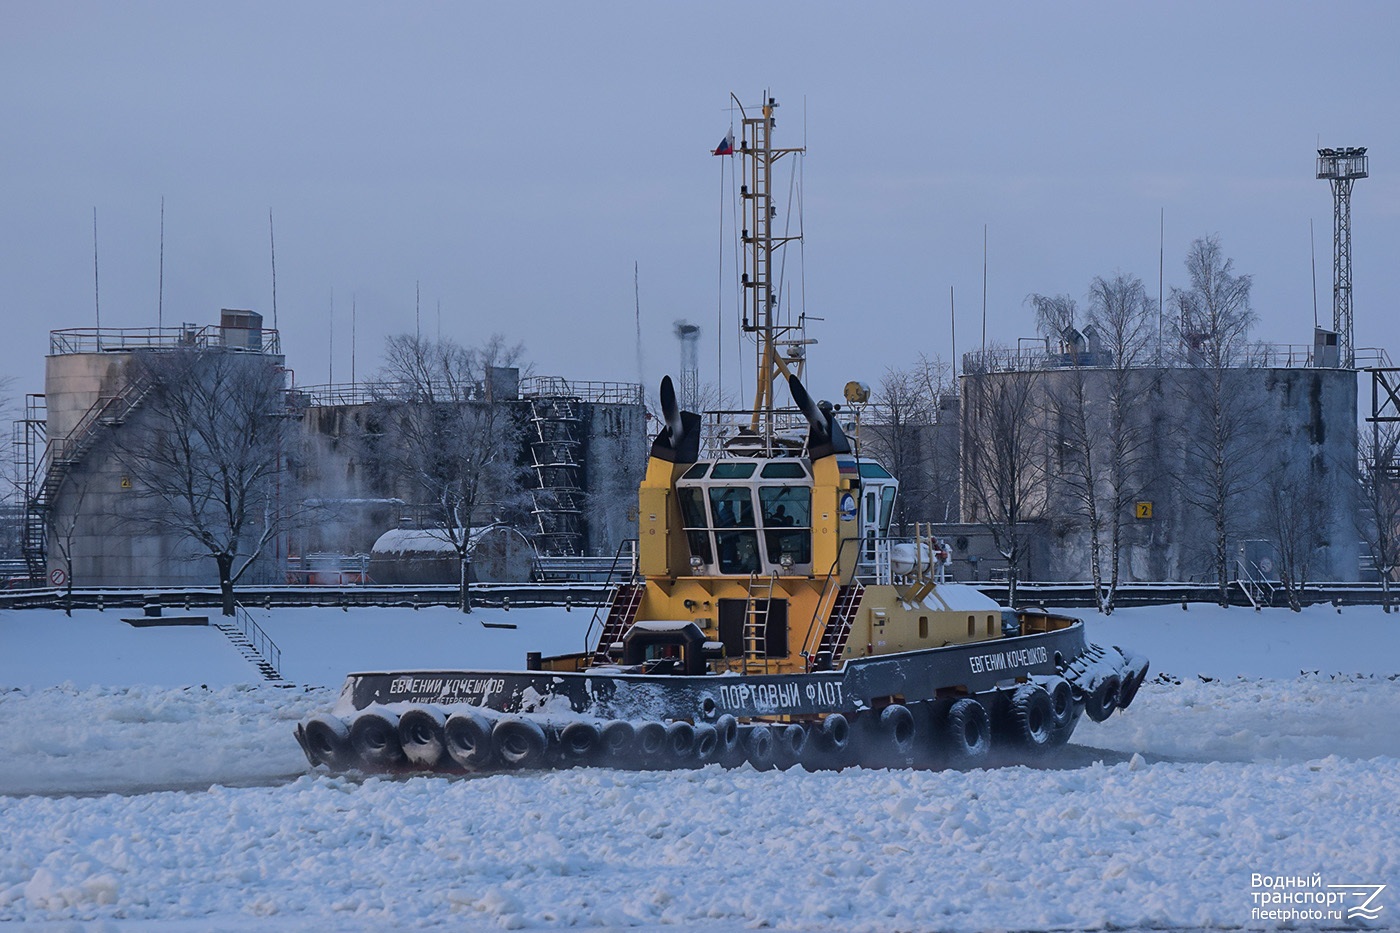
x: 772, y: 618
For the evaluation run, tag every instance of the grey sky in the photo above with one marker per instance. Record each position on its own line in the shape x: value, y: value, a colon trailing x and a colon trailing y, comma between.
x: 517, y: 158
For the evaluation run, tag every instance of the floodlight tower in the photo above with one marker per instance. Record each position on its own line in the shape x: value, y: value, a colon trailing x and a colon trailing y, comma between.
x: 1342, y: 167
x: 689, y: 336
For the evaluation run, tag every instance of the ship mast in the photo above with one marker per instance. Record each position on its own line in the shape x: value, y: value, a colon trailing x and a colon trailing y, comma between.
x: 760, y: 291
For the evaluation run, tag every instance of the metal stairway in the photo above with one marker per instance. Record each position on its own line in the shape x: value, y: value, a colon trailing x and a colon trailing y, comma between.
x: 252, y: 642
x: 554, y: 453
x: 838, y: 625
x: 622, y: 612
x: 46, y: 472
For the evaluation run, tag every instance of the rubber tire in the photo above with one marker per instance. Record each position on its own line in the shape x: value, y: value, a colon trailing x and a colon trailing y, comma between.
x: 374, y: 735
x: 727, y: 729
x: 680, y: 743
x: 759, y: 748
x: 650, y: 741
x: 1100, y: 703
x: 835, y: 734
x: 328, y: 741
x: 967, y: 730
x: 1061, y: 701
x: 792, y: 741
x: 617, y: 738
x: 897, y: 724
x: 422, y: 736
x: 519, y: 743
x: 468, y: 736
x: 1031, y: 717
x: 579, y: 742
x: 706, y: 743
x: 1137, y: 673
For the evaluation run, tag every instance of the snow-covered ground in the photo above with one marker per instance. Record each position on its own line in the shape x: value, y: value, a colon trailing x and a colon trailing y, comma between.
x: 152, y: 785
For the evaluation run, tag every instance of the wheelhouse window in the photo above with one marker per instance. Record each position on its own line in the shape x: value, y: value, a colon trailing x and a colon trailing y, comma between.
x: 697, y: 528
x: 736, y: 539
x: 745, y: 516
x: 787, y: 522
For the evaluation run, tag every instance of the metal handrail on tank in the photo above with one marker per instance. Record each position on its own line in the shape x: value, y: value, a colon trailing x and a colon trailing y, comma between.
x: 71, y: 340
x: 603, y: 393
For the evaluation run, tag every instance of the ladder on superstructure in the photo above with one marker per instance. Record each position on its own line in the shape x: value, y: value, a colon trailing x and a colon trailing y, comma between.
x: 756, y: 615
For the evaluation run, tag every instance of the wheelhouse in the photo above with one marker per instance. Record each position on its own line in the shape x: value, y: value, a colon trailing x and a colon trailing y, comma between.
x: 748, y: 516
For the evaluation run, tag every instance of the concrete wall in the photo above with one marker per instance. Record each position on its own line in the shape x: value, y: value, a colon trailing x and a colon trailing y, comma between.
x: 1303, y: 415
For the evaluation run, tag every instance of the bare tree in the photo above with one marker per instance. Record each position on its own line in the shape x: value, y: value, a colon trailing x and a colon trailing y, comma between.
x: 1295, y: 518
x: 1078, y: 474
x: 1219, y: 434
x: 1002, y: 458
x: 903, y: 412
x: 449, y: 432
x: 1121, y: 321
x: 205, y: 454
x: 1378, y: 518
x: 60, y: 528
x: 1054, y: 314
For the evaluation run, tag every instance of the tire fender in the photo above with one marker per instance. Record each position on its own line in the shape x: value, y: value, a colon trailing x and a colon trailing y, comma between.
x: 651, y: 739
x: 706, y: 742
x: 1100, y: 702
x: 422, y: 735
x: 374, y: 735
x: 727, y: 731
x: 328, y: 742
x: 520, y: 743
x: 617, y: 738
x: 897, y: 726
x: 1132, y: 681
x: 1032, y: 716
x: 680, y: 742
x: 468, y: 736
x: 579, y: 740
x: 835, y: 733
x: 968, y: 732
x: 759, y: 747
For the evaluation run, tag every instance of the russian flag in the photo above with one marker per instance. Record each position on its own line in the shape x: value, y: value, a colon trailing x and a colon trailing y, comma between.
x: 726, y: 145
